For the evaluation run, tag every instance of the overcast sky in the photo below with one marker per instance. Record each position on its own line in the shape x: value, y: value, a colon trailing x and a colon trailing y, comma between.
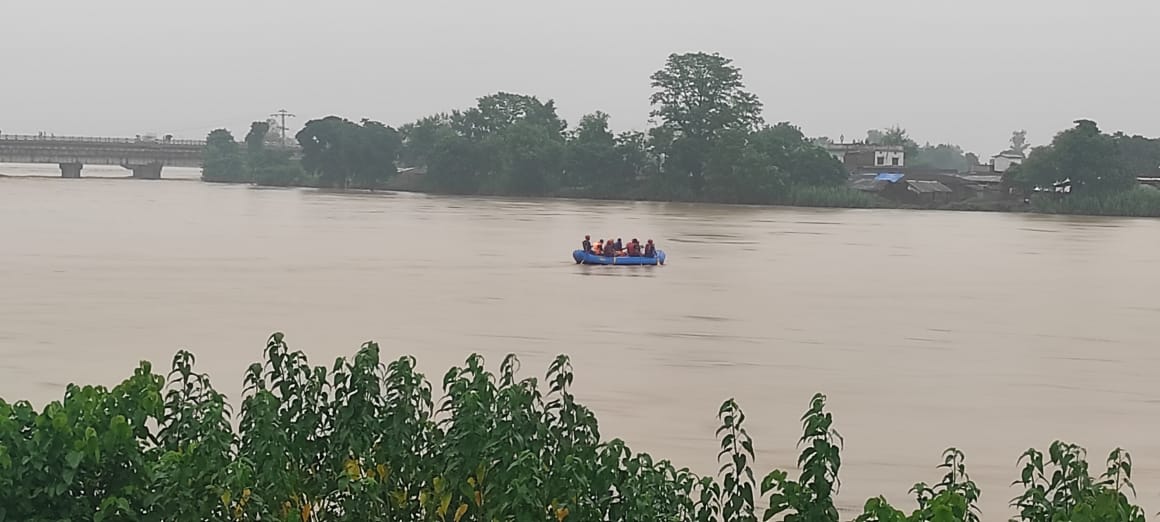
x: 967, y: 72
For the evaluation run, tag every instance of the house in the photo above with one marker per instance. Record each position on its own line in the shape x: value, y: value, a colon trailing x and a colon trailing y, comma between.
x: 1004, y: 160
x: 919, y: 188
x: 984, y: 183
x: 860, y: 156
x: 928, y: 191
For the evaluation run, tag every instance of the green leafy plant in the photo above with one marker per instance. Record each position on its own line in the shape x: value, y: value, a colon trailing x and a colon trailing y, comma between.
x: 1061, y: 488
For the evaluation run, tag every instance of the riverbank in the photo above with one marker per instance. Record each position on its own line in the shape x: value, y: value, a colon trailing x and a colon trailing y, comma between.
x: 1142, y: 201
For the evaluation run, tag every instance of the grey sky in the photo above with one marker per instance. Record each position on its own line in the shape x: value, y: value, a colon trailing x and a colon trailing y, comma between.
x: 958, y: 71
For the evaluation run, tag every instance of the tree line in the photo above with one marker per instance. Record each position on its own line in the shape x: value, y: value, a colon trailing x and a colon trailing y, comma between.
x: 709, y: 142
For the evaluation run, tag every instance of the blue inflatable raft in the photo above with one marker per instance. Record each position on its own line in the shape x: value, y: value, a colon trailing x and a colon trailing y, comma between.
x: 583, y: 258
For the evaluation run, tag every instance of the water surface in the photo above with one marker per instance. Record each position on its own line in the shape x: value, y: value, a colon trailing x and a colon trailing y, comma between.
x: 988, y: 332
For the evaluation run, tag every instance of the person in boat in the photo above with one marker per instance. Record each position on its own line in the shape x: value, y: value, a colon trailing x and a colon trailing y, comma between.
x: 650, y: 250
x: 619, y: 246
x: 587, y: 244
x: 634, y: 248
x: 599, y: 248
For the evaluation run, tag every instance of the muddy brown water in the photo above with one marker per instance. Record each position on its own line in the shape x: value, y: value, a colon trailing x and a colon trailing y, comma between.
x: 988, y: 332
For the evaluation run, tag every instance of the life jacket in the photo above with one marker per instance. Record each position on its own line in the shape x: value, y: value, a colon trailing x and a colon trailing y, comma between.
x: 599, y: 248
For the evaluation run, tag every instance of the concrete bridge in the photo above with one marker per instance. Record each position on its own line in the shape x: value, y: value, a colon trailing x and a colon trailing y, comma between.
x: 145, y: 157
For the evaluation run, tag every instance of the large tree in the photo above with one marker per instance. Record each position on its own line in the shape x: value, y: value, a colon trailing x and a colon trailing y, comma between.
x: 343, y: 153
x: 222, y: 158
x: 1141, y: 155
x: 799, y: 159
x: 700, y: 98
x: 1082, y: 154
x: 501, y: 110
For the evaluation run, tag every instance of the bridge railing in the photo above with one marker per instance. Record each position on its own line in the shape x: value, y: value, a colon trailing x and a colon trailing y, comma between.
x: 96, y: 140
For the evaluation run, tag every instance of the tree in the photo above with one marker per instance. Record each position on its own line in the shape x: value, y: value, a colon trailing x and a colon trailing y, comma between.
x: 1019, y: 142
x: 256, y: 138
x: 373, y: 157
x: 1141, y: 155
x: 699, y: 98
x: 591, y: 158
x: 343, y: 153
x: 501, y: 110
x: 1082, y: 154
x: 801, y: 161
x: 222, y: 158
x: 944, y: 156
x: 530, y: 158
x: 419, y: 139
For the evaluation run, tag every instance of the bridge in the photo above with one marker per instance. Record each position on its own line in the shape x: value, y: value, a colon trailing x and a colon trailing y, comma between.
x: 145, y: 157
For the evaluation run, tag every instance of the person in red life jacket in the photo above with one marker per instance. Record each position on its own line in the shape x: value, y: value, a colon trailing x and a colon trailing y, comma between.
x: 650, y: 250
x: 587, y: 244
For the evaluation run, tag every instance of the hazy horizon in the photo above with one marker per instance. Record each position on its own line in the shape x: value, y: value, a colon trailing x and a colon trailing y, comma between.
x: 969, y: 77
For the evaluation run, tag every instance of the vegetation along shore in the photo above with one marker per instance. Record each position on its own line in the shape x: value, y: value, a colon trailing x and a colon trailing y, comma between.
x: 710, y: 144
x: 363, y: 440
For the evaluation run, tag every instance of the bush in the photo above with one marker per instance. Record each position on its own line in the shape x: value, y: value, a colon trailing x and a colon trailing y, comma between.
x: 364, y: 441
x: 838, y: 197
x: 1139, y: 202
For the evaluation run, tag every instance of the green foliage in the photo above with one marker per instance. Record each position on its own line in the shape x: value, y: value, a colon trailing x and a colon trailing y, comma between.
x: 1142, y: 201
x: 1061, y: 489
x: 810, y: 498
x: 345, y: 154
x: 1141, y: 156
x: 700, y: 99
x: 944, y: 156
x: 222, y: 158
x: 951, y: 500
x: 831, y: 197
x: 360, y: 440
x: 1082, y: 154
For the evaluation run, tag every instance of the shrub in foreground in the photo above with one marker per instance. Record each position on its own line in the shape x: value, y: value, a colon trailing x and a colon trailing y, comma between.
x: 363, y: 441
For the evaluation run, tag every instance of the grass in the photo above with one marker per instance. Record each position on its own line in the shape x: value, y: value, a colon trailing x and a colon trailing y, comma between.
x: 1138, y: 202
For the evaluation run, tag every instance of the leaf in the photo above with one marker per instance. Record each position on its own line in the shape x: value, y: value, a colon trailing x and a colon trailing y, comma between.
x: 73, y: 458
x: 462, y: 510
x: 444, y: 504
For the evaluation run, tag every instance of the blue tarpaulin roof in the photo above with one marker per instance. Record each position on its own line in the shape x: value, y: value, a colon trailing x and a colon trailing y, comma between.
x: 892, y: 177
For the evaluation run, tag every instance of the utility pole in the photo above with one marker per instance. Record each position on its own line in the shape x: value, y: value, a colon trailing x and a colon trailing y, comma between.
x: 283, y: 115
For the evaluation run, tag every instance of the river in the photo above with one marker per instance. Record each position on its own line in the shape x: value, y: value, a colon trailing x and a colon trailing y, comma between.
x: 989, y: 332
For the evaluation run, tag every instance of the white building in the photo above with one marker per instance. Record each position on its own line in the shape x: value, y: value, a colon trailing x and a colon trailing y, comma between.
x: 857, y: 155
x: 1004, y: 160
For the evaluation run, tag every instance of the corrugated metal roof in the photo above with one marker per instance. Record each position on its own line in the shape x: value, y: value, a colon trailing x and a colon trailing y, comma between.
x: 981, y: 178
x: 926, y: 187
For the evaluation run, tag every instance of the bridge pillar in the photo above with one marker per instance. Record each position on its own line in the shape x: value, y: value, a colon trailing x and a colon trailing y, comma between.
x: 147, y: 171
x: 70, y: 170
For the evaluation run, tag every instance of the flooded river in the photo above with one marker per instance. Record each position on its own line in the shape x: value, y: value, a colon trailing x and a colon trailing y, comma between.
x: 988, y: 332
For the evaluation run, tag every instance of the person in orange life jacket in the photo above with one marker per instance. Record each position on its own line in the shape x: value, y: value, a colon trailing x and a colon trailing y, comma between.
x: 650, y: 250
x: 634, y: 248
x: 587, y: 244
x: 599, y: 248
